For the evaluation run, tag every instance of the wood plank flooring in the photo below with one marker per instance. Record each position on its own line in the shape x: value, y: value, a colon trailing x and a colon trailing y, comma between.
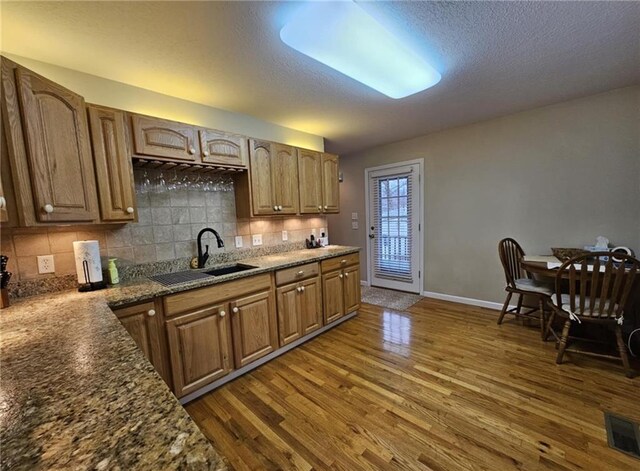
x: 441, y: 387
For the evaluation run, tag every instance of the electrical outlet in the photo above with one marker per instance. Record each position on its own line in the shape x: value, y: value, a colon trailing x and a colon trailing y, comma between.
x: 238, y: 242
x: 45, y: 264
x: 354, y: 224
x: 257, y: 239
x: 285, y: 235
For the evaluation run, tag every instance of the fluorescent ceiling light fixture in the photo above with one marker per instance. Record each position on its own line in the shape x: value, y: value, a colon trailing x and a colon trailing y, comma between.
x: 346, y: 38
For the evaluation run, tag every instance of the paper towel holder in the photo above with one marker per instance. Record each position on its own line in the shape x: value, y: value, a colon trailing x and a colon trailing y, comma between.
x: 88, y: 265
x: 90, y: 285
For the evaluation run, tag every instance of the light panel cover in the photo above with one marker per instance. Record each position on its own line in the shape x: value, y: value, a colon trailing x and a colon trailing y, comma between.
x: 346, y: 38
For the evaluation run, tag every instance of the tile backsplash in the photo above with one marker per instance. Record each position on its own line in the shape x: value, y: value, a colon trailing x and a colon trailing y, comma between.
x: 167, y: 227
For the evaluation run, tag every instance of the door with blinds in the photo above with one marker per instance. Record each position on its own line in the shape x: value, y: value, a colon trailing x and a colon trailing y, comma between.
x: 394, y: 227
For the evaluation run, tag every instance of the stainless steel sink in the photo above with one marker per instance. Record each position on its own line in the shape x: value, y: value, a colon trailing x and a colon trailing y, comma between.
x: 238, y: 267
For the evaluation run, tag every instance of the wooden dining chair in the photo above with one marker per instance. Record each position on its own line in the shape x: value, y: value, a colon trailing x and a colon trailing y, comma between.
x: 521, y: 283
x: 597, y: 294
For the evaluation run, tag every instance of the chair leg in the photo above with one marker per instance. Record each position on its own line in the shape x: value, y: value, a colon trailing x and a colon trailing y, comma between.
x: 622, y: 349
x: 563, y: 341
x: 543, y: 320
x: 505, y: 307
x: 519, y: 308
x: 548, y: 328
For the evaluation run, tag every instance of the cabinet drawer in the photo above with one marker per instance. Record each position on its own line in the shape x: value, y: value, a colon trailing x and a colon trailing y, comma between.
x: 340, y: 262
x: 199, y: 297
x: 301, y: 272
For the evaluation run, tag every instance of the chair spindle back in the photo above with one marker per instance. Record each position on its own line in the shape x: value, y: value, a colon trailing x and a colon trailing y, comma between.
x: 511, y: 255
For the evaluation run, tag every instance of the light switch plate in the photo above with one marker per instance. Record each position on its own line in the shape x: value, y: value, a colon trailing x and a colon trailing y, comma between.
x: 257, y: 239
x: 46, y: 264
x: 354, y: 224
x: 285, y: 235
x: 354, y: 216
x: 238, y: 242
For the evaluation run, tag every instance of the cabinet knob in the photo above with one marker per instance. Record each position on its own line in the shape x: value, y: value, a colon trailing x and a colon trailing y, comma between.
x: 320, y: 207
x: 326, y: 207
x: 299, y: 289
x: 222, y: 313
x: 192, y: 150
x: 48, y: 208
x: 300, y: 273
x: 151, y: 312
x: 279, y: 208
x: 235, y: 310
x: 302, y: 289
x: 206, y: 153
x: 3, y: 202
x: 275, y: 208
x: 343, y: 261
x: 346, y: 275
x: 340, y: 275
x: 130, y: 210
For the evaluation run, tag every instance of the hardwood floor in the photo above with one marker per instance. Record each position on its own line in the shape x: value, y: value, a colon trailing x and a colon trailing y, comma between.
x: 441, y: 387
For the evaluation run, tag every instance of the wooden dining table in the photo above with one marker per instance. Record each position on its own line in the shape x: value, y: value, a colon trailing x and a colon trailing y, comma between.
x: 631, y: 308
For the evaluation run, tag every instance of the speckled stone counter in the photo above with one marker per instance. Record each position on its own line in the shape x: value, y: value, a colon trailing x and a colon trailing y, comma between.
x: 77, y: 393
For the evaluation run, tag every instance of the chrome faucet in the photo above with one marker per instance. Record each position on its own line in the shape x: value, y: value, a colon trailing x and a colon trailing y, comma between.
x: 203, y: 257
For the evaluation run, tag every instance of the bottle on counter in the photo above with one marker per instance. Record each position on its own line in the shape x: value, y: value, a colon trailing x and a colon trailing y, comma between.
x: 112, y: 270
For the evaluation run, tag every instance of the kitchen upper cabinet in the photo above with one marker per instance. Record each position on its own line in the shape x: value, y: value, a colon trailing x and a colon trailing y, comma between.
x: 262, y: 164
x: 221, y: 148
x: 114, y: 171
x: 330, y: 184
x: 285, y: 178
x: 165, y: 139
x: 255, y: 332
x: 310, y: 181
x: 144, y: 322
x: 200, y: 347
x: 49, y: 149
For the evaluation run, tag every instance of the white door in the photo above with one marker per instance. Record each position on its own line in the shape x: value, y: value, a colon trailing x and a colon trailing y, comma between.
x: 394, y: 226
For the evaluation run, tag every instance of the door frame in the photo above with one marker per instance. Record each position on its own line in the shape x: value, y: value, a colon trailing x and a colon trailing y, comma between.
x: 421, y: 240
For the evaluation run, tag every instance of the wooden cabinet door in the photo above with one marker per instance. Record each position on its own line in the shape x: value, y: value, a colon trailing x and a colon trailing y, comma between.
x: 58, y: 150
x: 144, y: 322
x: 166, y: 139
x: 255, y: 333
x: 4, y: 213
x: 114, y: 171
x: 332, y: 293
x: 221, y: 148
x: 262, y: 194
x: 310, y: 181
x: 351, y: 289
x: 200, y: 348
x: 311, y: 305
x: 285, y: 178
x: 330, y: 184
x: 289, y: 313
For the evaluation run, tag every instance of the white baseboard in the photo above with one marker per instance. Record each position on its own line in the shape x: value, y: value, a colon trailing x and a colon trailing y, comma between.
x: 463, y: 300
x: 364, y: 283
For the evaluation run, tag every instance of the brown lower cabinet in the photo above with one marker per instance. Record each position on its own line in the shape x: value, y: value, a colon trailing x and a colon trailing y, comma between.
x: 299, y: 309
x: 196, y: 337
x: 199, y: 347
x: 255, y: 333
x: 144, y: 322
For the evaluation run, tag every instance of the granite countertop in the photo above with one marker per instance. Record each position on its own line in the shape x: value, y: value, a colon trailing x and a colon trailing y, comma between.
x: 76, y: 392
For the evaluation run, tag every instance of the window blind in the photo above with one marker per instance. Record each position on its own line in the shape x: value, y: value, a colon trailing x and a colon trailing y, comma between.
x: 392, y: 241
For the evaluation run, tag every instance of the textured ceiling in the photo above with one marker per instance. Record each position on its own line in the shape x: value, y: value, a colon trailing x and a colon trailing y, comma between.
x: 495, y: 58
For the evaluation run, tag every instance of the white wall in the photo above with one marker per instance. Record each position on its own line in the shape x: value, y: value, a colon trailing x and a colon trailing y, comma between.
x: 556, y: 176
x: 106, y: 92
